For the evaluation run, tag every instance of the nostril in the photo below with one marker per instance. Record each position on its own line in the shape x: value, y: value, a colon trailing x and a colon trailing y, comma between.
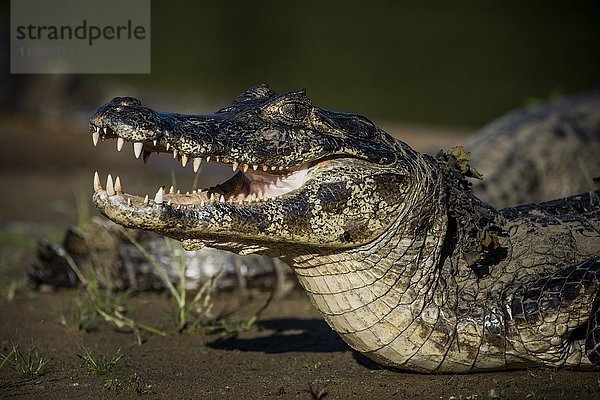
x: 126, y: 101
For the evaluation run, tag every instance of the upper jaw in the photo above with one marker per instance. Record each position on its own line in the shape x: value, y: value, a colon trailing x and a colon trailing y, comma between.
x: 191, y: 139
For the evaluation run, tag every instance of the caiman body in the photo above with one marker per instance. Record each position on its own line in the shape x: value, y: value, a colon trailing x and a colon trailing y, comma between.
x: 402, y: 260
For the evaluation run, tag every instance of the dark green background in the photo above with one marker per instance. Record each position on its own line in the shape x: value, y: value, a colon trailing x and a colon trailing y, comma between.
x: 442, y: 62
x: 448, y: 62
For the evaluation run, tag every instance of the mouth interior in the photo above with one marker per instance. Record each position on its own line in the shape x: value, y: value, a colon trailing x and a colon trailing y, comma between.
x: 251, y: 184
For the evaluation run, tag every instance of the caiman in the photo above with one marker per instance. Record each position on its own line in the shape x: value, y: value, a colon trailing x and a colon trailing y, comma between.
x: 392, y: 247
x: 538, y: 153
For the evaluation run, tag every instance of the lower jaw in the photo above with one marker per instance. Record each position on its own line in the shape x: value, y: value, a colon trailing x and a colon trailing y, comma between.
x: 240, y: 189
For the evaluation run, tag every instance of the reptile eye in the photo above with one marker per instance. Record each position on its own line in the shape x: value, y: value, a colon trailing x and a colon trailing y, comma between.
x: 295, y: 111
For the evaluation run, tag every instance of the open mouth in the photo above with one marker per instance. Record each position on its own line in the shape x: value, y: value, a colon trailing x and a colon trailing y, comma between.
x: 253, y: 182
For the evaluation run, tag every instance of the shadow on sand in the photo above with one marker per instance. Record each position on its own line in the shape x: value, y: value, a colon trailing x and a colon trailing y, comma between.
x: 292, y: 335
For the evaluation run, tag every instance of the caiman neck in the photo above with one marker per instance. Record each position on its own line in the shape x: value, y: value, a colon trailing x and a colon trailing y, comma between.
x: 393, y: 279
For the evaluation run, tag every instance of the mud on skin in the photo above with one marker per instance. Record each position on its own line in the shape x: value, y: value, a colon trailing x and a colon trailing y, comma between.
x: 391, y: 246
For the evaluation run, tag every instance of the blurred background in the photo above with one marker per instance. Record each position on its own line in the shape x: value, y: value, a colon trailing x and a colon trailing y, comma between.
x: 429, y: 72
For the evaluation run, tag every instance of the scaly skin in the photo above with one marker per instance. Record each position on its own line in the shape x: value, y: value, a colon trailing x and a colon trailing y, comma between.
x: 539, y: 153
x: 400, y: 258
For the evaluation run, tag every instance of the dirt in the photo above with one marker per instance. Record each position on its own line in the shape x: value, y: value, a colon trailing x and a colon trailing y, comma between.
x: 290, y: 352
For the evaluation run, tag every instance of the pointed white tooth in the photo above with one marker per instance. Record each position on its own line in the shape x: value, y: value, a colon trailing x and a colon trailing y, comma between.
x: 104, y: 130
x: 217, y: 158
x: 168, y: 146
x: 178, y: 191
x: 137, y: 149
x: 118, y: 187
x: 187, y: 193
x: 95, y: 138
x: 197, y: 162
x: 128, y: 201
x: 281, y: 168
x: 184, y: 160
x: 171, y: 190
x: 158, y: 198
x: 169, y: 202
x: 97, y: 185
x: 273, y: 168
x: 207, y: 158
x: 245, y: 167
x: 212, y: 197
x: 234, y: 166
x: 222, y: 199
x: 110, y: 190
x: 155, y: 142
x: 120, y: 143
x: 255, y: 167
x: 175, y: 152
x: 264, y: 168
x: 146, y: 200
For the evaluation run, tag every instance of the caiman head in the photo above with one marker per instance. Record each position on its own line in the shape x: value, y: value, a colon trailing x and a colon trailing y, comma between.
x: 307, y: 177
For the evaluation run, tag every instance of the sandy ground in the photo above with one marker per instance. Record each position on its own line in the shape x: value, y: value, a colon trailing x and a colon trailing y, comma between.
x: 290, y: 353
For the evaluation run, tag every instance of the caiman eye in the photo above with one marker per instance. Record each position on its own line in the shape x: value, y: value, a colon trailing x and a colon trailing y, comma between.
x: 294, y: 111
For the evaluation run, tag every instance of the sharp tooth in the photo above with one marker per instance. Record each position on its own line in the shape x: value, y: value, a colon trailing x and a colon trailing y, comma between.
x: 129, y: 201
x: 171, y: 190
x: 158, y: 198
x: 234, y: 166
x: 104, y: 130
x: 95, y: 138
x: 168, y: 146
x: 118, y: 187
x: 264, y: 168
x: 273, y: 168
x: 212, y: 197
x: 281, y: 167
x: 245, y: 167
x: 178, y: 191
x: 184, y: 160
x: 217, y: 158
x: 197, y: 162
x: 175, y: 153
x: 155, y: 142
x: 97, y: 185
x: 202, y: 203
x: 137, y: 149
x: 222, y: 199
x: 255, y: 167
x: 208, y: 159
x: 146, y: 200
x: 120, y: 143
x: 169, y: 202
x: 187, y: 193
x: 110, y: 190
